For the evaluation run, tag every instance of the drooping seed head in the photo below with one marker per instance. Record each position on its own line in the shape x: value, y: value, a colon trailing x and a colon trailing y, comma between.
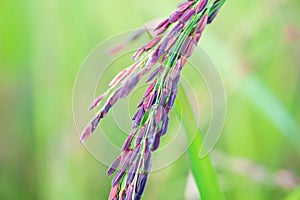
x: 168, y: 51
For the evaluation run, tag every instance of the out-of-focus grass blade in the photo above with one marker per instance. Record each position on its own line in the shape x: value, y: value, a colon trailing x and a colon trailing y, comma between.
x: 202, y: 169
x: 268, y: 103
x: 148, y: 33
x: 259, y: 95
x: 295, y: 195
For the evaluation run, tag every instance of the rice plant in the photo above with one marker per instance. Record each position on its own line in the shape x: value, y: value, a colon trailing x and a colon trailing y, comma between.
x: 162, y: 59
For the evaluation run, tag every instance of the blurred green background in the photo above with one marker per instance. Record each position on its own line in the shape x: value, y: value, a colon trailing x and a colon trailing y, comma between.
x: 255, y: 44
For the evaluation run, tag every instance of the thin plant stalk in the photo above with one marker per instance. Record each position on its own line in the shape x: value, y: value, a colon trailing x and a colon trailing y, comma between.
x: 202, y: 169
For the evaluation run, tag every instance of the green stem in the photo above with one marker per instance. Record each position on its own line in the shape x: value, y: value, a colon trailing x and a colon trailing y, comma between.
x: 202, y: 169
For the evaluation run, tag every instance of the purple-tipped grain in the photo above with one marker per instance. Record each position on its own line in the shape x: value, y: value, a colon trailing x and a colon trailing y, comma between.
x: 96, y: 102
x: 185, y: 45
x: 134, y: 153
x: 119, y: 77
x: 162, y: 29
x: 165, y: 126
x: 185, y: 6
x: 201, y: 5
x: 148, y: 101
x: 190, y: 49
x: 162, y: 47
x: 163, y: 98
x: 125, y: 160
x: 139, y: 117
x: 132, y: 171
x: 161, y: 24
x: 95, y: 122
x: 138, y: 114
x: 172, y: 99
x: 140, y: 135
x: 114, y: 166
x: 187, y: 15
x: 127, y: 143
x: 154, y: 73
x: 129, y: 85
x: 202, y: 24
x: 156, y: 142
x: 141, y: 184
x: 86, y: 133
x: 175, y: 16
x: 138, y: 53
x: 152, y: 43
x: 117, y: 178
x: 129, y: 193
x: 158, y: 114
x: 106, y: 109
x: 114, y: 193
x: 148, y: 162
x: 150, y: 88
x: 212, y: 16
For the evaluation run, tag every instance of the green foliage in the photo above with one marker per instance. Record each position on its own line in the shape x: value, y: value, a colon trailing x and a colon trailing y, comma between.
x: 295, y: 195
x: 202, y: 168
x: 255, y: 45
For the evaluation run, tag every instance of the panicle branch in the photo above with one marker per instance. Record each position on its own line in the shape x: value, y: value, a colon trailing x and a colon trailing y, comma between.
x: 165, y: 56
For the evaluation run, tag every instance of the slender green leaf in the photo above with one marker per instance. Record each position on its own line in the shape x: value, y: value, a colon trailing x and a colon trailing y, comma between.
x: 202, y: 169
x: 268, y: 103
